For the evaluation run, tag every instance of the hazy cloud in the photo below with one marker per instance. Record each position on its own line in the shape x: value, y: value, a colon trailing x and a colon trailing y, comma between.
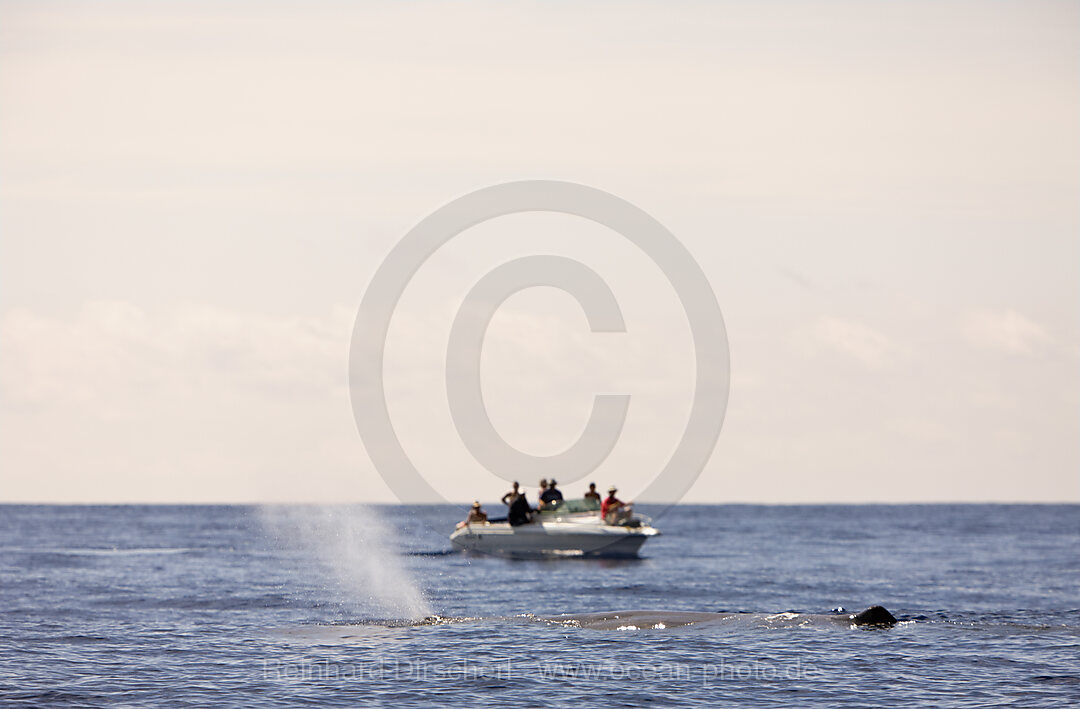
x: 112, y: 350
x: 1007, y: 331
x: 851, y: 339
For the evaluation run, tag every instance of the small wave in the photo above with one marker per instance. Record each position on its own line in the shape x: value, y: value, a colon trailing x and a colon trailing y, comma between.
x: 53, y: 698
x: 228, y: 602
x: 93, y: 551
x: 1058, y: 679
x: 76, y: 639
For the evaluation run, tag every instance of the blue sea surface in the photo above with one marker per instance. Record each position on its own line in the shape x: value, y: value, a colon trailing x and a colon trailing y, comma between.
x: 246, y: 606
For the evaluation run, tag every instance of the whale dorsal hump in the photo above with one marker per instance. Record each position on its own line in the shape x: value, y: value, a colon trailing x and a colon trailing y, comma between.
x: 874, y: 615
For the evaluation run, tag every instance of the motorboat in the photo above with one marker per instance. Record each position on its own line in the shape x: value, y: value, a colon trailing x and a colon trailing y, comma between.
x: 571, y: 528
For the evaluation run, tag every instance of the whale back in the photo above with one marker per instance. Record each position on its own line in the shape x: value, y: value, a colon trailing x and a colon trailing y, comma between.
x: 874, y: 615
x: 661, y: 619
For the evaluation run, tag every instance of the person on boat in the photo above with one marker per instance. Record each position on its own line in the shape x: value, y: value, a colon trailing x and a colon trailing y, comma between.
x: 520, y: 512
x: 592, y: 494
x: 476, y: 514
x: 613, y: 510
x: 551, y: 496
x: 508, y: 498
x: 540, y: 495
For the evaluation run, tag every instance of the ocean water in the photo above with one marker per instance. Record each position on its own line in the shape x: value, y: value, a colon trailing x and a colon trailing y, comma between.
x: 247, y: 606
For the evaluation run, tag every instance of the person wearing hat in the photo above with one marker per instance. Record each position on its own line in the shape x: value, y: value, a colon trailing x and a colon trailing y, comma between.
x: 611, y: 509
x: 476, y: 514
x: 551, y: 495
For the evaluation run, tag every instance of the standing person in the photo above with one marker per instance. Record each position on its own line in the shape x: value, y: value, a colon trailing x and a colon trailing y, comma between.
x: 508, y: 498
x: 540, y: 495
x: 552, y: 496
x: 520, y: 513
x: 592, y: 494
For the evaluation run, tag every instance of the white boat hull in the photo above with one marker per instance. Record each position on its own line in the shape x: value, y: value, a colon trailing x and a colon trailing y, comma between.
x: 552, y: 539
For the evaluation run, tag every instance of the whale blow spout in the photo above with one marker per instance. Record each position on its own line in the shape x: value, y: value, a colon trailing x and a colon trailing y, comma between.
x: 874, y: 615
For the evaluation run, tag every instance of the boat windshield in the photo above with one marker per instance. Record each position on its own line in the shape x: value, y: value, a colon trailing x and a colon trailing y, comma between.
x: 572, y: 506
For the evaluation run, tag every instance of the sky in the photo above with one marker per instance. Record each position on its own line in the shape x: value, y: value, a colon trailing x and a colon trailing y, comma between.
x: 884, y: 197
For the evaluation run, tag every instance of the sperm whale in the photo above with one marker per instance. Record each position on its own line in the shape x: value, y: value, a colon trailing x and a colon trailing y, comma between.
x: 874, y: 616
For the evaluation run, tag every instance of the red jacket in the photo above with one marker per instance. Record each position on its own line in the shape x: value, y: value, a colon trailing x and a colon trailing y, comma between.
x: 610, y: 503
